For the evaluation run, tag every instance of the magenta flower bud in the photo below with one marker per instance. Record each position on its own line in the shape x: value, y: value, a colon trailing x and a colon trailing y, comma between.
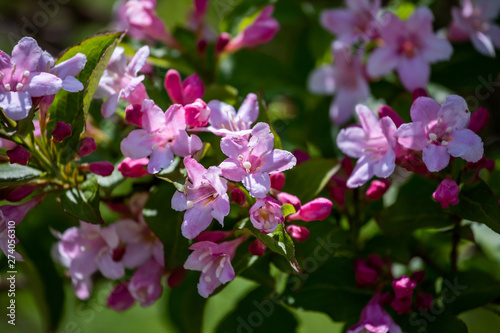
x: 87, y: 146
x: 376, y: 262
x: 403, y: 287
x: 101, y: 168
x: 120, y: 298
x: 316, y: 210
x: 20, y: 193
x: 365, y: 275
x: 133, y: 114
x: 266, y: 214
x: 286, y: 198
x: 387, y: 111
x: 193, y: 89
x: 419, y: 92
x: 301, y: 156
x: 131, y: 168
x: 222, y: 42
x: 483, y: 163
x: 200, y: 8
x: 298, y: 232
x: 478, y: 120
x: 197, y: 113
x: 401, y: 305
x: 261, y: 31
x: 176, y: 277
x: 447, y: 193
x: 377, y: 189
x: 423, y: 301
x: 257, y: 248
x: 213, y: 236
x: 201, y: 46
x: 61, y: 131
x: 238, y: 196
x: 418, y: 277
x: 277, y: 181
x: 386, y: 298
x: 145, y: 285
x: 18, y: 155
x: 374, y: 318
x: 173, y: 85
x: 338, y: 195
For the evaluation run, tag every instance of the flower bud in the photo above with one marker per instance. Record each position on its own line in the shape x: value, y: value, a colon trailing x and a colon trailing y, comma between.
x: 418, y: 277
x: 298, y: 232
x: 301, y: 156
x: 277, y: 181
x: 213, y: 236
x: 478, y: 120
x: 401, y: 305
x: 131, y: 168
x: 338, y: 195
x: 20, y: 193
x: 447, y: 193
x: 387, y: 111
x: 423, y: 301
x: 18, y: 155
x: 120, y: 298
x: 193, y: 89
x: 101, y: 168
x: 197, y: 113
x: 201, y: 46
x: 222, y: 42
x: 365, y: 275
x: 377, y: 189
x: 316, y: 210
x: 238, y: 196
x: 286, y: 198
x: 419, y: 92
x: 61, y: 131
x: 403, y: 287
x: 176, y: 277
x: 87, y: 146
x: 173, y: 85
x: 257, y: 248
x: 133, y: 114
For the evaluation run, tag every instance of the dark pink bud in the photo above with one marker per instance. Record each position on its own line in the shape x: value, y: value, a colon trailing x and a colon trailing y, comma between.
x: 118, y: 253
x: 193, y: 88
x: 377, y: 189
x: 403, y: 287
x: 401, y: 305
x: 257, y: 248
x: 347, y: 165
x: 483, y: 163
x: 410, y: 161
x: 133, y: 114
x: 131, y: 168
x: 277, y: 181
x: 447, y: 193
x: 197, y: 113
x: 286, y: 198
x: 365, y: 276
x: 201, y: 46
x: 301, y: 156
x: 61, y: 131
x: 386, y: 298
x: 87, y: 146
x: 222, y: 41
x: 418, y: 277
x: 387, y: 111
x: 120, y: 298
x: 176, y: 277
x: 20, y: 193
x: 213, y: 236
x: 18, y: 155
x: 101, y: 168
x: 238, y: 196
x: 419, y: 92
x: 479, y: 119
x: 316, y: 210
x: 298, y: 232
x: 200, y: 7
x: 423, y: 301
x: 376, y: 262
x: 173, y: 85
x: 338, y: 195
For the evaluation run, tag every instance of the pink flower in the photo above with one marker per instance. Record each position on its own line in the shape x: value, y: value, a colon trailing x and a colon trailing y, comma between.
x: 214, y: 262
x: 197, y: 114
x: 410, y: 47
x: 131, y: 168
x: 121, y: 81
x: 18, y: 155
x: 364, y: 274
x: 120, y: 298
x: 372, y: 144
x: 298, y: 232
x: 387, y: 111
x: 266, y: 214
x: 478, y: 120
x: 315, y: 210
x: 375, y: 319
x: 257, y: 248
x: 476, y: 21
x: 238, y: 197
x: 186, y: 92
x: 287, y: 198
x: 101, y: 168
x: 213, y: 236
x: 403, y: 287
x: 346, y: 79
x: 377, y: 189
x: 205, y: 198
x: 87, y: 146
x: 401, y: 305
x: 162, y: 136
x: 61, y: 131
x: 133, y: 114
x: 66, y: 71
x: 447, y: 193
x: 145, y: 286
x: 224, y: 120
x: 261, y: 31
x: 440, y: 131
x: 278, y: 181
x: 251, y: 161
x: 356, y: 23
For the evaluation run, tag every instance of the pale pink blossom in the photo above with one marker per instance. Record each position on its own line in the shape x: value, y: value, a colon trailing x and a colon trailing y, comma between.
x: 375, y: 319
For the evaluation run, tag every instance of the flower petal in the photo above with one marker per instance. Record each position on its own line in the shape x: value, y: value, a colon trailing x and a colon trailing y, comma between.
x: 42, y: 84
x: 454, y: 112
x: 16, y: 104
x: 414, y: 72
x: 412, y: 136
x: 466, y: 144
x: 258, y: 184
x: 138, y: 61
x: 249, y: 109
x: 322, y: 80
x: 137, y: 144
x: 435, y: 157
x: 161, y: 158
x: 196, y: 220
x: 277, y: 161
x: 26, y: 55
x: 424, y: 110
x: 382, y: 61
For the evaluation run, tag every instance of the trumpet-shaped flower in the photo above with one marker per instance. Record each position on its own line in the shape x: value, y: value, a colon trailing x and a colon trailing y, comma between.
x: 375, y: 319
x: 266, y: 214
x: 214, y: 262
x: 410, y: 47
x: 440, y: 131
x: 186, y: 92
x: 162, y: 136
x: 121, y: 81
x: 145, y: 286
x: 447, y: 193
x: 373, y: 144
x: 252, y: 161
x: 224, y: 120
x: 205, y: 198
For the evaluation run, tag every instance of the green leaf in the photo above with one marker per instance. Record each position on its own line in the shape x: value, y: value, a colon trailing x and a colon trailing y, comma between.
x: 72, y: 108
x: 11, y: 174
x: 310, y: 177
x: 288, y: 209
x: 166, y: 224
x: 414, y: 209
x: 259, y: 311
x: 83, y: 202
x: 278, y: 241
x: 185, y: 305
x: 479, y: 204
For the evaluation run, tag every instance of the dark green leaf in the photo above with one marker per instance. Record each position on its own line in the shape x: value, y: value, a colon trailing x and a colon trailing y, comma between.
x: 11, y: 174
x: 479, y: 204
x: 72, y: 108
x: 83, y: 202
